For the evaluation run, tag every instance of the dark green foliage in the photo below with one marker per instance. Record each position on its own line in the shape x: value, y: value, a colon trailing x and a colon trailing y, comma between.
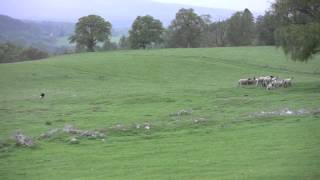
x: 11, y: 53
x: 145, y: 31
x: 241, y: 29
x: 186, y: 30
x: 33, y: 54
x: 299, y: 27
x: 266, y: 26
x: 218, y: 33
x: 300, y: 42
x: 124, y: 42
x: 89, y: 31
x: 109, y: 46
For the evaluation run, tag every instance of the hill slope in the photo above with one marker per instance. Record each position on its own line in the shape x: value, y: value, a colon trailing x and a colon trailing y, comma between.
x: 223, y: 138
x: 42, y: 35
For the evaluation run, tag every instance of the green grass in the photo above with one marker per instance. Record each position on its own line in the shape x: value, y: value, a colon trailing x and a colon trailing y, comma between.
x: 101, y: 90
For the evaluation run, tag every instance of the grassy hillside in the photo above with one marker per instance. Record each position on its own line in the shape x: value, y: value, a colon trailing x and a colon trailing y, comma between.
x: 221, y: 139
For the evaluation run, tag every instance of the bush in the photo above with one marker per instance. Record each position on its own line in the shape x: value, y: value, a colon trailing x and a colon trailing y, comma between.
x: 12, y: 53
x: 33, y: 54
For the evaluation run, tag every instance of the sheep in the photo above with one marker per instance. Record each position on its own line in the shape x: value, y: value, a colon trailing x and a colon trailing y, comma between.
x: 248, y: 81
x: 277, y: 83
x: 287, y: 82
x: 243, y: 82
x: 270, y: 86
x: 260, y: 81
x: 252, y: 81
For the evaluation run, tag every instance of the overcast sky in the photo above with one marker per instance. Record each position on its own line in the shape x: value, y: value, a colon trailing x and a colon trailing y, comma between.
x: 121, y: 10
x: 257, y: 5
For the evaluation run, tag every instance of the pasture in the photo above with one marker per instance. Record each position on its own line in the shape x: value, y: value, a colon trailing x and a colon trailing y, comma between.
x: 223, y: 137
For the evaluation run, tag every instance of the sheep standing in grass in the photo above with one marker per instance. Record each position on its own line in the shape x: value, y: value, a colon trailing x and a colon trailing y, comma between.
x: 277, y: 83
x: 260, y: 81
x: 243, y: 82
x: 287, y: 82
x: 270, y: 86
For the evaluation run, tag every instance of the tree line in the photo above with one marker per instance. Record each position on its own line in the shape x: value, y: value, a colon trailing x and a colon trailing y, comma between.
x: 10, y: 52
x: 290, y: 24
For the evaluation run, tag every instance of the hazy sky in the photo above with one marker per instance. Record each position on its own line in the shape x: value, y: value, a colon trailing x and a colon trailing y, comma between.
x: 121, y: 10
x: 257, y: 5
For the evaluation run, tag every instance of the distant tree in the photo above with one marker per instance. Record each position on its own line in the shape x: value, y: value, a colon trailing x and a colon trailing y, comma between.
x: 9, y: 52
x: 265, y: 27
x: 241, y: 28
x: 218, y: 33
x: 109, y: 46
x: 33, y: 54
x: 12, y: 53
x: 207, y: 38
x: 145, y: 30
x: 89, y: 31
x: 124, y: 42
x: 186, y: 30
x: 299, y: 27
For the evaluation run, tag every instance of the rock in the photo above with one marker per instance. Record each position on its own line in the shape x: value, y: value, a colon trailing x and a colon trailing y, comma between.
x: 138, y: 126
x: 23, y: 140
x: 147, y: 126
x: 71, y: 129
x: 92, y: 134
x: 199, y: 120
x: 50, y: 133
x: 183, y: 112
x: 74, y: 140
x: 83, y: 133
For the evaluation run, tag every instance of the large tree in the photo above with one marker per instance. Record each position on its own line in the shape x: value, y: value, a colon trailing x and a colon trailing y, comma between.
x: 90, y: 30
x: 266, y: 26
x: 241, y: 28
x: 299, y: 27
x: 145, y: 31
x: 186, y: 30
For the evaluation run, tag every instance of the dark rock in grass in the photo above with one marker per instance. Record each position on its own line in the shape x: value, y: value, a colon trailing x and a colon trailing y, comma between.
x: 23, y: 140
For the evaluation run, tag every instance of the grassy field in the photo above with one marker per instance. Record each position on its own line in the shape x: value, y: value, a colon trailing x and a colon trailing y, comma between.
x: 221, y: 139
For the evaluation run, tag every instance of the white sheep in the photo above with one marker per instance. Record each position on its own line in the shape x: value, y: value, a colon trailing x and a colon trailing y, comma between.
x: 287, y: 82
x: 243, y: 82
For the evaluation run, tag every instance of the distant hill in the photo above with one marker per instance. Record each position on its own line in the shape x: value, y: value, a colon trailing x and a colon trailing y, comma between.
x: 45, y: 35
x: 42, y: 35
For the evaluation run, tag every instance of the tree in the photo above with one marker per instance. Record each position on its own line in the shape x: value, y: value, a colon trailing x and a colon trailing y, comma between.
x: 299, y: 27
x: 186, y: 30
x: 109, y: 46
x: 145, y: 30
x: 220, y: 33
x: 241, y: 28
x: 124, y: 42
x: 9, y: 53
x: 266, y: 26
x: 33, y: 54
x: 89, y: 31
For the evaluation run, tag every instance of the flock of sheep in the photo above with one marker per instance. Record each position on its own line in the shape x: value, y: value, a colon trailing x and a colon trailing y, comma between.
x: 268, y: 82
